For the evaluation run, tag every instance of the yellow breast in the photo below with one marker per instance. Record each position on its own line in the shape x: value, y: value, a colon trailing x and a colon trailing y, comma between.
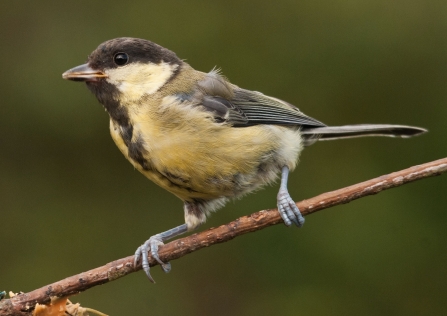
x: 195, y: 158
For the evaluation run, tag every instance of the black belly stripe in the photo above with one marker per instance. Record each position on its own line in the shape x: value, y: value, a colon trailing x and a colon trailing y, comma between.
x: 137, y: 152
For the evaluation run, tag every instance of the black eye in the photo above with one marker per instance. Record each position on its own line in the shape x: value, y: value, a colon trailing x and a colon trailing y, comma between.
x: 121, y: 59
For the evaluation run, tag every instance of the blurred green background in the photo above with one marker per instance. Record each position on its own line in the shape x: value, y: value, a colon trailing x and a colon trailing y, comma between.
x: 70, y: 202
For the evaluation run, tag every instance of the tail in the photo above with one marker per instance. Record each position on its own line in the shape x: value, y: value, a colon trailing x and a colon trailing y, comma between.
x: 312, y: 134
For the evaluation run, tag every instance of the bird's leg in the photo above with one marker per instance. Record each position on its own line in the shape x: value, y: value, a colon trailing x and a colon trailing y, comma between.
x: 194, y: 217
x: 152, y: 244
x: 286, y: 206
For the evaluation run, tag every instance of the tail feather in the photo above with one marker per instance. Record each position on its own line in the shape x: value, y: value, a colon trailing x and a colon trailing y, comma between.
x: 311, y: 135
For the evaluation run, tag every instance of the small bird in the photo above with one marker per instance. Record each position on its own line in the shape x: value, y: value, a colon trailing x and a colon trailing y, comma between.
x: 199, y: 136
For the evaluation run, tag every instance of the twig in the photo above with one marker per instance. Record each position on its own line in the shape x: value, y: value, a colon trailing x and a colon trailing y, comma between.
x: 23, y: 304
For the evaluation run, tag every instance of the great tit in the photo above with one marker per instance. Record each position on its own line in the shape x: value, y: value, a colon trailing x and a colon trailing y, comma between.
x: 199, y: 136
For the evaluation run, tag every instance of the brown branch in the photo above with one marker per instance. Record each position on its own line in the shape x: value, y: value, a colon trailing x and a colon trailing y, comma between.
x: 24, y: 303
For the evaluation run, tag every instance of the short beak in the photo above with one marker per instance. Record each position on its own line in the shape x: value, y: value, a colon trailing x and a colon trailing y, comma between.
x: 83, y: 73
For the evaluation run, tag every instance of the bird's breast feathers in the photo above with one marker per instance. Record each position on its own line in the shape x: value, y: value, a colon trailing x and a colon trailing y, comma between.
x: 189, y: 154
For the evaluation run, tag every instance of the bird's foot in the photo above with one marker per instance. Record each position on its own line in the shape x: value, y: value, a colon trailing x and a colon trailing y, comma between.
x: 151, y: 245
x: 288, y: 210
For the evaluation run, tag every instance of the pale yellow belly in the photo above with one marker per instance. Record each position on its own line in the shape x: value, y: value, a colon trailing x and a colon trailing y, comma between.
x: 197, y: 160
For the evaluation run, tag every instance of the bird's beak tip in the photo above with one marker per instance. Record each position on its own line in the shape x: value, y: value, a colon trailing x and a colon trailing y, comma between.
x: 83, y: 73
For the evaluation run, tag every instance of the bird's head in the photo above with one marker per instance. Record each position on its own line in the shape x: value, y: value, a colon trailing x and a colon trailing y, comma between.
x: 126, y: 68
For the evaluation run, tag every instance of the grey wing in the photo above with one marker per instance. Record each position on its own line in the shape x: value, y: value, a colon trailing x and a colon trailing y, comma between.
x: 241, y: 108
x: 262, y: 109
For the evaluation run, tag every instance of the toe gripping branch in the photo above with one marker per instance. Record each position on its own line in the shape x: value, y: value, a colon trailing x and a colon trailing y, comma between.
x: 286, y: 206
x: 152, y: 245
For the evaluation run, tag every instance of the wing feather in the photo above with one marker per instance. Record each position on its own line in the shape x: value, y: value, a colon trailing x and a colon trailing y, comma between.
x: 240, y: 107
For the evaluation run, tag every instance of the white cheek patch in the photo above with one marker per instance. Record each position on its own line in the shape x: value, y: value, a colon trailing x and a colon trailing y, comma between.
x: 137, y: 79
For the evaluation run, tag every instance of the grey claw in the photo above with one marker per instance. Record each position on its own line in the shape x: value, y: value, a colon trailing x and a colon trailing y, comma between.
x: 284, y: 216
x: 137, y: 257
x: 288, y: 210
x: 139, y: 253
x: 151, y: 245
x: 166, y: 267
x: 154, y: 242
x: 298, y: 215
